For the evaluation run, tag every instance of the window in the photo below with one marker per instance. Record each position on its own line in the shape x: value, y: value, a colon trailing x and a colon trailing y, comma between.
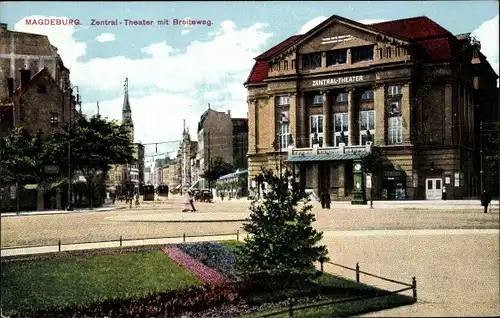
x: 380, y: 53
x: 316, y: 129
x: 317, y: 99
x: 367, y: 95
x: 336, y: 57
x: 311, y: 61
x: 389, y: 51
x: 394, y: 90
x: 394, y: 108
x: 284, y: 134
x: 395, y: 130
x: 293, y: 64
x: 284, y: 100
x: 54, y: 118
x: 362, y: 54
x: 341, y: 98
x: 285, y: 65
x: 41, y: 89
x: 341, y: 128
x: 366, y: 126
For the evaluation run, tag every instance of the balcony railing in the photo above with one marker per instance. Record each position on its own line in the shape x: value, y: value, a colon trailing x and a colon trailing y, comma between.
x: 341, y: 149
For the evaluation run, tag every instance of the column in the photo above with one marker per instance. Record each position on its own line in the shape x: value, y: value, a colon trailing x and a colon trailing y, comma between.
x: 303, y: 136
x: 380, y: 122
x: 341, y: 184
x: 406, y: 113
x: 323, y: 60
x: 326, y: 119
x: 294, y: 116
x: 352, y: 115
x: 349, y: 58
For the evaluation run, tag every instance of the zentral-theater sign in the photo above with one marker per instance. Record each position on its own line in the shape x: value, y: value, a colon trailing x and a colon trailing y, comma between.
x: 341, y: 80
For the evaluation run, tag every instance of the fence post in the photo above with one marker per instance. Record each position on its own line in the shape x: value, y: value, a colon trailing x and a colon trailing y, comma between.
x: 238, y: 235
x: 414, y: 288
x: 357, y: 272
x: 184, y: 237
x: 59, y: 246
x: 121, y: 239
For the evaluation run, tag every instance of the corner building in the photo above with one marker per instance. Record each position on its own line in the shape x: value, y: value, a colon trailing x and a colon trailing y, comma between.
x: 318, y: 101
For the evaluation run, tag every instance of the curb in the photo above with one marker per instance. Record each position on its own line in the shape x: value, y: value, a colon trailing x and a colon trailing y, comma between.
x: 38, y: 213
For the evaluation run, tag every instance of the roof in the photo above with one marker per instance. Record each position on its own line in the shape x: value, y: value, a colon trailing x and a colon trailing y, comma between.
x: 33, y: 79
x: 323, y: 157
x: 233, y: 175
x: 433, y: 38
x: 412, y: 28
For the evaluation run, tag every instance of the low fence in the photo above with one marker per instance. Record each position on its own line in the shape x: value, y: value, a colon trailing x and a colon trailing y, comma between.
x: 291, y: 309
x: 120, y: 242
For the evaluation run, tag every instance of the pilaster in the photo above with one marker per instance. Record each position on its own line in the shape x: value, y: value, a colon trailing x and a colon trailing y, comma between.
x: 326, y: 119
x: 349, y: 58
x: 271, y: 122
x: 380, y: 122
x: 252, y: 125
x: 294, y: 115
x: 323, y: 60
x: 303, y: 139
x: 351, y: 110
x: 406, y: 112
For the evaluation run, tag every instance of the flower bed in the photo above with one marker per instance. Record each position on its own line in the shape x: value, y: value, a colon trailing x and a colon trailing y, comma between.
x: 214, y: 255
x: 200, y: 270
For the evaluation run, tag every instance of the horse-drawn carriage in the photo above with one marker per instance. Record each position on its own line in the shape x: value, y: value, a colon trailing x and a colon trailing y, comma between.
x: 203, y: 196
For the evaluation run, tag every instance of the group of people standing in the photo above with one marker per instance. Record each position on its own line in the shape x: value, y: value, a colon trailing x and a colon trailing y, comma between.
x: 324, y: 198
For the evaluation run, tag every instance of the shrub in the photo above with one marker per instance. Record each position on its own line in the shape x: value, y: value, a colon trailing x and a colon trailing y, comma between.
x: 214, y: 255
x: 283, y: 243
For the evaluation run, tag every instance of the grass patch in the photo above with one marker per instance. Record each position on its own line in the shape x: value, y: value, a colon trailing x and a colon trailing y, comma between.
x: 52, y: 283
x: 334, y: 288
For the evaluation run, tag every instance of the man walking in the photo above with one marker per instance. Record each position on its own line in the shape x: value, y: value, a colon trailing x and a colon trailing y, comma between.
x: 485, y: 200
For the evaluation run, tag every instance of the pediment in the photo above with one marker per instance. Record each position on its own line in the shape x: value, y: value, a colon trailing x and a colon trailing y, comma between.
x: 339, y: 33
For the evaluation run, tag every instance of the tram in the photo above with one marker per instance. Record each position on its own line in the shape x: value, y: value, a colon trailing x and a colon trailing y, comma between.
x: 149, y: 192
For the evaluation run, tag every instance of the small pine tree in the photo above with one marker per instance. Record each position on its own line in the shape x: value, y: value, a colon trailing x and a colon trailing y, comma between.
x: 283, y: 241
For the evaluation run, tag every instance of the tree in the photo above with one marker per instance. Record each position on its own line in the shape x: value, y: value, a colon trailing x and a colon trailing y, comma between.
x: 217, y: 168
x: 373, y: 162
x: 20, y: 157
x: 96, y: 143
x: 282, y: 241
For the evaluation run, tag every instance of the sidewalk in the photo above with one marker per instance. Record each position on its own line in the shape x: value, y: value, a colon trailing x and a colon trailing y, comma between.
x: 27, y: 213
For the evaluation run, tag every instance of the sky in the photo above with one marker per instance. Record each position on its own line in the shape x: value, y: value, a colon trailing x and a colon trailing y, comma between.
x: 174, y: 71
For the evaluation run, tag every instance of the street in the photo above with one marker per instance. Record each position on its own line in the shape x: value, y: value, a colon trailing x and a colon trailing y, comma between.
x: 452, y: 250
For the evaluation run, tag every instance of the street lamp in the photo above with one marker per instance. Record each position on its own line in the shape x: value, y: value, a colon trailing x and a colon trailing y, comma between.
x: 70, y: 112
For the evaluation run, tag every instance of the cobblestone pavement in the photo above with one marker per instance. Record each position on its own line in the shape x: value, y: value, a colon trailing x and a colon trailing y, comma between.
x: 452, y: 250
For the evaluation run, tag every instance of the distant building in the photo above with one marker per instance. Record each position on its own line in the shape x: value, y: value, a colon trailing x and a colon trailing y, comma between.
x: 185, y: 155
x: 219, y: 135
x: 147, y: 176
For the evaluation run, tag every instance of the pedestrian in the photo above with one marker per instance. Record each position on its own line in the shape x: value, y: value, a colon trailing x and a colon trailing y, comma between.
x: 327, y: 199
x: 485, y: 200
x: 222, y: 196
x: 322, y: 199
x: 443, y: 195
x: 191, y: 202
x: 187, y: 203
x: 137, y: 200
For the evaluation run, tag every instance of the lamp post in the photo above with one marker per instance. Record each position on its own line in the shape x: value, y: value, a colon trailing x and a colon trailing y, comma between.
x: 70, y: 115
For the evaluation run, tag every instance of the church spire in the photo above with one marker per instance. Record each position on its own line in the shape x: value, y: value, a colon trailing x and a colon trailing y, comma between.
x: 126, y: 110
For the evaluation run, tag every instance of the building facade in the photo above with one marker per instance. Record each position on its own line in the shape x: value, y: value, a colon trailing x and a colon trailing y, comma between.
x: 186, y: 155
x: 219, y: 135
x: 320, y: 101
x: 35, y: 91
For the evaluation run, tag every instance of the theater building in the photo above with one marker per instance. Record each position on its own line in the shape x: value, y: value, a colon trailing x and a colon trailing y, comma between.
x: 321, y: 100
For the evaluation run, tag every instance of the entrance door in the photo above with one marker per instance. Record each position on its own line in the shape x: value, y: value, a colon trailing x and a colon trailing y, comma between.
x: 433, y: 189
x: 323, y: 177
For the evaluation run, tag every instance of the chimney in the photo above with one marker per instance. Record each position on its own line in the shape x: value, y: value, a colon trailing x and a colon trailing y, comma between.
x: 10, y: 85
x: 229, y: 112
x: 25, y: 78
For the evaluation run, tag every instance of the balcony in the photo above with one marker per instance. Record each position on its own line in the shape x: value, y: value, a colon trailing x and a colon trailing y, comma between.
x: 316, y: 153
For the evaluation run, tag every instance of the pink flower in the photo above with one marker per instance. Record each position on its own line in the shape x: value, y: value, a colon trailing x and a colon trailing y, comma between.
x: 200, y: 270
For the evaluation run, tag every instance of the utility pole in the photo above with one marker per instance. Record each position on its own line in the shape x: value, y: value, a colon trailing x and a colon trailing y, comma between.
x: 209, y: 166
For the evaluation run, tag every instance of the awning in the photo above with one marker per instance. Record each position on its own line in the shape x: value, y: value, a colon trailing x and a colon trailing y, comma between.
x: 324, y: 157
